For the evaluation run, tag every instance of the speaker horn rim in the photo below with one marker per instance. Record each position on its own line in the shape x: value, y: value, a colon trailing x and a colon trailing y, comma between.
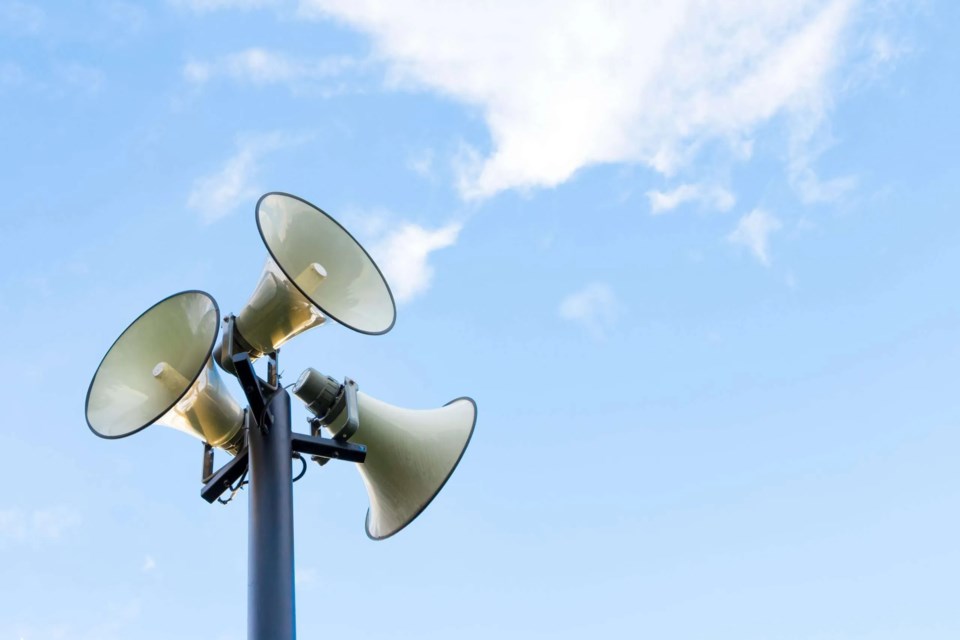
x: 193, y: 380
x: 273, y: 257
x: 423, y: 507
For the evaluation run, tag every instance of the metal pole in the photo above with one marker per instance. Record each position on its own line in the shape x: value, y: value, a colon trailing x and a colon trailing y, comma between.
x: 271, y: 613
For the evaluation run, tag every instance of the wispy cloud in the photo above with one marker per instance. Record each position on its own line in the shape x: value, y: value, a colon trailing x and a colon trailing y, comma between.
x: 149, y: 564
x: 713, y: 197
x: 258, y: 66
x: 33, y: 525
x: 21, y: 18
x: 753, y: 232
x: 81, y: 77
x: 403, y: 254
x: 219, y: 194
x: 594, y: 307
x: 125, y: 19
x: 573, y: 84
x: 813, y: 189
x: 421, y: 163
x: 808, y: 140
x: 206, y: 6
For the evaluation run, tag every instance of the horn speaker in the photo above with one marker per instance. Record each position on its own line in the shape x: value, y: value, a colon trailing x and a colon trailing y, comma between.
x: 315, y: 269
x: 160, y: 371
x: 410, y: 453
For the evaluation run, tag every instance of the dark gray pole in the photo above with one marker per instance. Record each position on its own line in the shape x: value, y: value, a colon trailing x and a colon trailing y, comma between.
x: 270, y: 606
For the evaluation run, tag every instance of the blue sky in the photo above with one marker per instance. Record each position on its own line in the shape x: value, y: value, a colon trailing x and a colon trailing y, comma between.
x: 696, y: 263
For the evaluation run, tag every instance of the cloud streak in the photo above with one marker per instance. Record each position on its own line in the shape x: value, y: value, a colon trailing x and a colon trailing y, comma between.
x: 716, y: 198
x: 218, y: 194
x: 208, y: 6
x: 261, y: 67
x: 753, y: 232
x: 594, y: 307
x: 46, y: 524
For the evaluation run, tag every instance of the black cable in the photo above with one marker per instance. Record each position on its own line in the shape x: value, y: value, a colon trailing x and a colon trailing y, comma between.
x: 303, y: 471
x: 266, y: 407
x: 241, y: 483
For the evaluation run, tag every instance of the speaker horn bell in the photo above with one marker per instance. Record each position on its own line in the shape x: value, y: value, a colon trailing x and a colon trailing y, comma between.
x: 410, y: 453
x: 315, y: 269
x: 160, y: 371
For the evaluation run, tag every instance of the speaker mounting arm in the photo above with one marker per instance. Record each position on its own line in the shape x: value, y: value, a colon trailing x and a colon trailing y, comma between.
x: 353, y: 411
x: 231, y: 343
x: 319, y: 448
x: 207, y: 463
x: 224, y: 478
x: 215, y: 484
x: 328, y: 448
x: 252, y: 388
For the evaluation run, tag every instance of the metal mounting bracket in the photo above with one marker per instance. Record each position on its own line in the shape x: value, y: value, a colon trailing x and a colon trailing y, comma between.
x: 353, y: 412
x: 253, y: 388
x: 215, y: 484
x: 328, y: 448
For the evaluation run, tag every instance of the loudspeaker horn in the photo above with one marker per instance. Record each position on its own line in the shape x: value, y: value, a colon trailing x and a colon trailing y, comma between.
x: 410, y: 453
x: 315, y: 269
x: 160, y: 371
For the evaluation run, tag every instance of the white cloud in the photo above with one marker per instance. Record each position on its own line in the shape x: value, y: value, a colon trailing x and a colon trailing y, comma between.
x: 813, y: 189
x: 595, y: 307
x: 217, y: 195
x: 259, y: 66
x: 711, y: 196
x: 564, y: 84
x: 421, y: 163
x: 35, y: 525
x: 206, y: 6
x: 149, y: 564
x: 753, y: 232
x: 220, y: 193
x: 403, y: 252
x: 50, y: 524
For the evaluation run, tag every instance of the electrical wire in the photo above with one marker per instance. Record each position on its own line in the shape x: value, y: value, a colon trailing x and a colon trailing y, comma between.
x: 303, y: 471
x: 266, y: 407
x: 241, y: 483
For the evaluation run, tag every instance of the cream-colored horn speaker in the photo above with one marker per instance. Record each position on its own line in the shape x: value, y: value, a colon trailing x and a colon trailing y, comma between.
x: 410, y: 456
x: 315, y: 269
x: 410, y: 453
x: 160, y: 370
